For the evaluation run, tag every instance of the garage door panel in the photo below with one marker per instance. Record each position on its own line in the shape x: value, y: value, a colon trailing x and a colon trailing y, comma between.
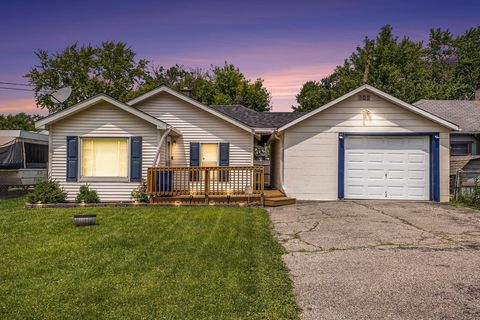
x: 387, y: 168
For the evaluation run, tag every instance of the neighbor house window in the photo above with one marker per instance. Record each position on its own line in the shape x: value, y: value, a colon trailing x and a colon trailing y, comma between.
x: 105, y: 157
x: 461, y: 148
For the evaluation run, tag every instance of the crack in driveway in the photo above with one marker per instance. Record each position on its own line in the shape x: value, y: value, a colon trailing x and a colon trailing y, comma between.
x: 376, y: 260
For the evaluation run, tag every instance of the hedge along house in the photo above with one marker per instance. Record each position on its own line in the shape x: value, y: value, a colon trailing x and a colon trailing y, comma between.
x: 364, y: 145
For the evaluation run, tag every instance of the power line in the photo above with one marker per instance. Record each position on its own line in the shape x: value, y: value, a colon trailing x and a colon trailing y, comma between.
x: 16, y: 84
x: 18, y: 89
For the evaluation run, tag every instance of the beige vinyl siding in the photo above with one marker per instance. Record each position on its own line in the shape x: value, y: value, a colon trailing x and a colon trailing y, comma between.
x: 276, y: 164
x: 197, y: 125
x: 311, y: 146
x: 101, y: 120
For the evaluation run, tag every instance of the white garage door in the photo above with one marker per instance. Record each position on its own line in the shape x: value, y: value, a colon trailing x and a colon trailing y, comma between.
x: 387, y: 167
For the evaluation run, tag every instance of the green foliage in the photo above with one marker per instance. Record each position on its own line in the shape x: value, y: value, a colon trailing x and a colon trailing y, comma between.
x: 446, y: 68
x: 87, y: 195
x: 19, y: 121
x: 142, y: 263
x: 216, y: 85
x: 48, y: 191
x: 110, y: 68
x: 472, y: 198
x: 140, y: 193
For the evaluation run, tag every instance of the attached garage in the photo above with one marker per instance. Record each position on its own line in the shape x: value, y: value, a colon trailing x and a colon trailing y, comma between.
x: 366, y: 144
x: 387, y: 167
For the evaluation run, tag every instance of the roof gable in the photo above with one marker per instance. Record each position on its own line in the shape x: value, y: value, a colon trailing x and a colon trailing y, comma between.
x: 42, y: 123
x: 189, y: 100
x: 382, y: 94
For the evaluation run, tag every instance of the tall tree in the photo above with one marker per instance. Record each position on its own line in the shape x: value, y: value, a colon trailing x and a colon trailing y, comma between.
x: 217, y: 85
x: 467, y: 67
x: 110, y: 68
x: 446, y: 68
x: 20, y: 121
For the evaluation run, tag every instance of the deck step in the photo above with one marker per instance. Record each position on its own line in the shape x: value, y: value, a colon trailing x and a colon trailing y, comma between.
x: 273, y: 194
x: 279, y: 201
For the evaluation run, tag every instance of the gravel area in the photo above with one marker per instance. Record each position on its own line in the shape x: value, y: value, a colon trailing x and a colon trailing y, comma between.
x: 382, y: 260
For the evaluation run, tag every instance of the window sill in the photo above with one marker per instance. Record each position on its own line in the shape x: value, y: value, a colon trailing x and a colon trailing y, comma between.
x: 103, y: 179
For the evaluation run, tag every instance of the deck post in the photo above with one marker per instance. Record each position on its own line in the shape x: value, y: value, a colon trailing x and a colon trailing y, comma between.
x: 207, y: 182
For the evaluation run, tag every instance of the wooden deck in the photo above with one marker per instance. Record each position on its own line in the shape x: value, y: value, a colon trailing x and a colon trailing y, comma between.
x: 206, y: 185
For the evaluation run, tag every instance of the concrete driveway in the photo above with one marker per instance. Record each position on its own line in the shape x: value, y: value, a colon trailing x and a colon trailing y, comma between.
x: 382, y: 260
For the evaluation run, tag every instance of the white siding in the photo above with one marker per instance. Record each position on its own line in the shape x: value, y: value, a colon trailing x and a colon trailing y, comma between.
x: 101, y: 120
x: 276, y: 163
x: 197, y: 125
x: 311, y: 146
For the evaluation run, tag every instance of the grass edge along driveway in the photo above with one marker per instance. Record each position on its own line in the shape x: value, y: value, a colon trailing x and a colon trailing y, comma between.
x: 142, y: 263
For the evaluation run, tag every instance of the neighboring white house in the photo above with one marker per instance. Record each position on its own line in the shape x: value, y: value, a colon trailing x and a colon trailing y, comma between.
x: 364, y: 145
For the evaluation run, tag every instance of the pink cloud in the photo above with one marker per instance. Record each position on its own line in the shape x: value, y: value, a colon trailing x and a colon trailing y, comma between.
x: 286, y: 83
x: 26, y: 105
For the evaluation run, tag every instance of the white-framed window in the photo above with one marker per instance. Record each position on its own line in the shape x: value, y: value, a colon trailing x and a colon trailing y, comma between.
x: 104, y: 158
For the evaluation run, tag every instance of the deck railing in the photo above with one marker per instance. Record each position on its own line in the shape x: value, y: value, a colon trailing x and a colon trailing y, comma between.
x: 205, y: 181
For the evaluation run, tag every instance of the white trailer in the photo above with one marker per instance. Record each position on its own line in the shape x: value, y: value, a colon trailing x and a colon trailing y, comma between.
x: 23, y: 158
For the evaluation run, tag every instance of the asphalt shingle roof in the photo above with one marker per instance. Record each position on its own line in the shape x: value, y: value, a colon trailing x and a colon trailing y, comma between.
x: 256, y: 119
x: 464, y: 113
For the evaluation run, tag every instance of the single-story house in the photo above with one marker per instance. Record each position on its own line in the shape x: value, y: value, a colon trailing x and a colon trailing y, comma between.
x: 364, y: 145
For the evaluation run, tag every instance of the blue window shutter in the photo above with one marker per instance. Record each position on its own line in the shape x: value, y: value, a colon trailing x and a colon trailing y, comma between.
x: 224, y: 154
x: 194, y: 154
x: 224, y: 160
x: 72, y: 158
x: 136, y: 159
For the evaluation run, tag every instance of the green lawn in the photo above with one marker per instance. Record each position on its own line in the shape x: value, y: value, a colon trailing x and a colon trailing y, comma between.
x: 141, y: 263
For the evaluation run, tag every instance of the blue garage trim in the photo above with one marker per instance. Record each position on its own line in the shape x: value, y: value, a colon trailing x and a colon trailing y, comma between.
x: 341, y: 166
x: 434, y: 158
x: 435, y: 167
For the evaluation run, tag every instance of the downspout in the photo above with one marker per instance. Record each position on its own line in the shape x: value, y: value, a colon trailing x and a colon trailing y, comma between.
x: 282, y: 185
x: 156, y: 161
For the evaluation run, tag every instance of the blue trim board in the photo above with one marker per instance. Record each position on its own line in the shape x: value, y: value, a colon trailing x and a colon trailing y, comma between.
x: 435, y: 167
x: 341, y: 166
x: 434, y: 158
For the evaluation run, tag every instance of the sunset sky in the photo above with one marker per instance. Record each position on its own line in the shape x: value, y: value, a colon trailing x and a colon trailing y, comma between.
x: 286, y: 43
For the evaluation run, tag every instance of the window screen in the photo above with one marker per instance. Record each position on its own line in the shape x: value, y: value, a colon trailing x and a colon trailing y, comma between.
x: 36, y: 155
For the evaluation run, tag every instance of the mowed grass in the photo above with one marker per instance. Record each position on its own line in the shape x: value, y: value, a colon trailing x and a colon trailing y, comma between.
x: 141, y: 263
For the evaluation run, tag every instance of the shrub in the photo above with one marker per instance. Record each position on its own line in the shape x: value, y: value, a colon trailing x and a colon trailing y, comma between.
x: 472, y: 197
x: 87, y: 195
x: 48, y: 191
x: 140, y: 193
